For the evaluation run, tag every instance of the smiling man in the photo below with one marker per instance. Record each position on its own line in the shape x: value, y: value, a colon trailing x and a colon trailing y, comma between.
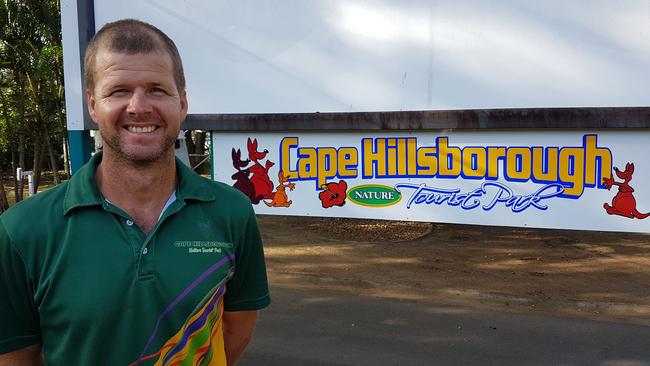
x: 136, y: 260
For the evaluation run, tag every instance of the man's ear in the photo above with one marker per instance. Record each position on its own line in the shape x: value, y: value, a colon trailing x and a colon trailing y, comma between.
x: 183, y: 101
x: 90, y: 102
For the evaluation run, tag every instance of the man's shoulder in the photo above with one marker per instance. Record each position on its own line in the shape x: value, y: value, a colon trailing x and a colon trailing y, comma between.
x: 38, y: 203
x: 29, y: 213
x: 221, y: 202
x: 193, y: 185
x: 229, y: 196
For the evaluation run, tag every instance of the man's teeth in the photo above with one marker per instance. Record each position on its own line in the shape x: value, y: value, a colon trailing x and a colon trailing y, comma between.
x: 145, y: 129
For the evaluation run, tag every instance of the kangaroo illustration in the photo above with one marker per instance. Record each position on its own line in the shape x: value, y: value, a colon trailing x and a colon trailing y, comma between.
x: 623, y: 203
x: 243, y: 182
x: 260, y: 179
x: 280, y: 198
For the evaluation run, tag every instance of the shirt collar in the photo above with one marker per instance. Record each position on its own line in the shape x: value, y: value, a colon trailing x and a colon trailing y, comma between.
x: 82, y: 190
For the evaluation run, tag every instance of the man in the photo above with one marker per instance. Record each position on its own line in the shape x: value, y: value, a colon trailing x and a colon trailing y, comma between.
x: 136, y: 260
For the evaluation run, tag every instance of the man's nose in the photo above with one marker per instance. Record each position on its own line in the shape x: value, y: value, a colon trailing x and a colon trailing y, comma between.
x: 139, y: 103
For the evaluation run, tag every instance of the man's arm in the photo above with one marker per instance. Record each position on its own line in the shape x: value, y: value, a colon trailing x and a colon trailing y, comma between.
x: 29, y: 356
x: 238, y: 328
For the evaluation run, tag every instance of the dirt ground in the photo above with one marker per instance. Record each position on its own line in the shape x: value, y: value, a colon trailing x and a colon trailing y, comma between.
x: 578, y: 274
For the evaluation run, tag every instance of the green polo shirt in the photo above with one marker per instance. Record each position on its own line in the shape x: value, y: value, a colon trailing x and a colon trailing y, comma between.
x: 78, y: 276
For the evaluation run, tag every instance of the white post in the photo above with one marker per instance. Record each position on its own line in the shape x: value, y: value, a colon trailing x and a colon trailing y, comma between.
x: 30, y: 181
x: 30, y: 184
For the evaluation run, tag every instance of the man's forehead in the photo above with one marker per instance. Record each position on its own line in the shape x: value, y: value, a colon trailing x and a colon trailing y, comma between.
x: 107, y: 52
x: 106, y: 58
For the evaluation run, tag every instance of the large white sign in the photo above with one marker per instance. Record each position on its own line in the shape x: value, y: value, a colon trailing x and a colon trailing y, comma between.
x: 588, y: 180
x: 280, y: 56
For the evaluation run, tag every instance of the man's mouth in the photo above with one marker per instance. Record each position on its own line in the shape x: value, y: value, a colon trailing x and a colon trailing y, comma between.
x: 141, y: 129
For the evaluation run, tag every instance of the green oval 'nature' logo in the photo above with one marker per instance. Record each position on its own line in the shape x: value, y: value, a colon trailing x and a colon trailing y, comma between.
x: 374, y: 195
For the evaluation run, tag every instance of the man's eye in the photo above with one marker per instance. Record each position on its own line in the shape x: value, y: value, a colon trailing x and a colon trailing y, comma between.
x: 158, y: 91
x: 119, y: 92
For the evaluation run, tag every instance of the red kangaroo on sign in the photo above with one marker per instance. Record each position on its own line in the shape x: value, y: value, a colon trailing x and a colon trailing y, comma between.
x: 260, y: 179
x: 243, y: 182
x: 623, y: 203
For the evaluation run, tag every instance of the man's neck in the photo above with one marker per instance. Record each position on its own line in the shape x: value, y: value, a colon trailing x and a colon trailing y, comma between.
x: 141, y: 190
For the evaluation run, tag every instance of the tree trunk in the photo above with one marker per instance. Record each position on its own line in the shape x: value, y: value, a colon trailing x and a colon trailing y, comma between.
x: 21, y: 163
x: 189, y: 143
x: 200, y: 145
x: 36, y: 169
x: 4, y: 203
x: 53, y: 164
x: 39, y: 174
x: 9, y: 135
x: 199, y: 149
x: 14, y: 165
x: 21, y: 139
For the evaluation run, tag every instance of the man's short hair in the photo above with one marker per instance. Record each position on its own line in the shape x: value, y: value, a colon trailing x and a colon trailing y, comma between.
x: 131, y: 36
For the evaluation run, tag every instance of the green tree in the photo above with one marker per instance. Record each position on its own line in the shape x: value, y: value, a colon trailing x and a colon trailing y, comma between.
x: 31, y: 88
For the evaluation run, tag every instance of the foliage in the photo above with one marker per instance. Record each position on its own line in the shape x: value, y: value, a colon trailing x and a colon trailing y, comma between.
x: 32, y: 111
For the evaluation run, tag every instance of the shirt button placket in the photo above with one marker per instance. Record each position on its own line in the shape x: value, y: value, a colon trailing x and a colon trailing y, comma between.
x: 134, y: 235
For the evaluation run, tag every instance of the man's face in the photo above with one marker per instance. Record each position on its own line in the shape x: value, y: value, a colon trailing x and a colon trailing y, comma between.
x: 136, y: 105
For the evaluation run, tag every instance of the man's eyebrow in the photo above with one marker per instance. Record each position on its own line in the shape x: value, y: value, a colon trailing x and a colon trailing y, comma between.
x: 115, y: 85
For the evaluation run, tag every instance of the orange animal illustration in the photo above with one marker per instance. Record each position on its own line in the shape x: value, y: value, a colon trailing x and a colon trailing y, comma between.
x: 280, y: 198
x: 623, y: 203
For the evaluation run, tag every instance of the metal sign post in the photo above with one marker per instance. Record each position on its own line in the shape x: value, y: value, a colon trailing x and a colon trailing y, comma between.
x: 77, y: 26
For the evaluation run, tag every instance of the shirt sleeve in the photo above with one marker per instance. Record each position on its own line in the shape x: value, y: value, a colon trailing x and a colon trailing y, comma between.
x: 19, y: 321
x: 248, y: 289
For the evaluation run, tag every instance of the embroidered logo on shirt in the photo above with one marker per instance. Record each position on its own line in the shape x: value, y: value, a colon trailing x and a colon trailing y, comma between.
x: 203, y: 246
